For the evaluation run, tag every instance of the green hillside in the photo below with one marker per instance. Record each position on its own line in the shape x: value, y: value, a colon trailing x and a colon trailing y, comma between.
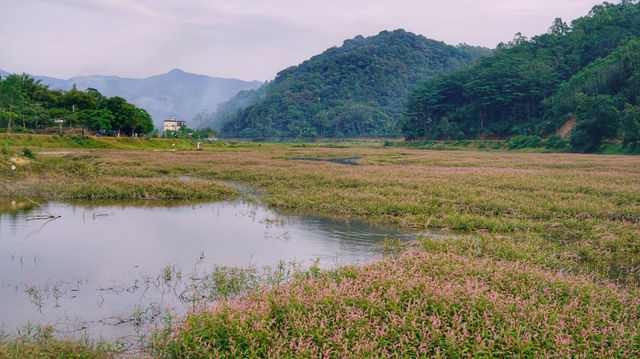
x: 587, y: 72
x: 358, y: 89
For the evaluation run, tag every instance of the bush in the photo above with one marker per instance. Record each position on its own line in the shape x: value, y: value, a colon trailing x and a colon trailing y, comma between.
x: 22, y: 130
x: 555, y: 142
x: 582, y: 141
x: 28, y: 153
x: 521, y: 141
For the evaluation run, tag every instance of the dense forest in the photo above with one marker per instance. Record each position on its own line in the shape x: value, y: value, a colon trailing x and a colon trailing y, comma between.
x: 584, y: 77
x: 26, y: 105
x: 358, y: 89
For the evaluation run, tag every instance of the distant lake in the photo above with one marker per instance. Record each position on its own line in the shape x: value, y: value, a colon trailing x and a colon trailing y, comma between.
x: 90, y: 269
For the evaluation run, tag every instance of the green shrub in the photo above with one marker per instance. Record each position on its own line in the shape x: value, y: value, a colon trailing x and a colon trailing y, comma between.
x: 22, y: 130
x: 522, y: 141
x: 28, y: 153
x: 555, y: 142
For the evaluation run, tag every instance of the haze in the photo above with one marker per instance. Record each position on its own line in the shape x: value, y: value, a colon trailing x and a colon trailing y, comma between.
x: 245, y: 39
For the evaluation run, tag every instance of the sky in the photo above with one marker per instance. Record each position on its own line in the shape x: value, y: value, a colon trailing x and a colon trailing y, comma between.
x: 245, y: 39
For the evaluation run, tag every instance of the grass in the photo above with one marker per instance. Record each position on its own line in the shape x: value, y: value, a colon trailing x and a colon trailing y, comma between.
x: 75, y: 176
x: 546, y: 259
x: 54, y: 349
x: 38, y: 342
x: 78, y: 141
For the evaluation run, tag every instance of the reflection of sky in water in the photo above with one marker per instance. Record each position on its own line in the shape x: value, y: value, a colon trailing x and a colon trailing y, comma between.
x: 90, y: 256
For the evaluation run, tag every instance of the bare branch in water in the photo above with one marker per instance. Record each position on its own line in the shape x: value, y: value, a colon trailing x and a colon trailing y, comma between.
x: 50, y: 216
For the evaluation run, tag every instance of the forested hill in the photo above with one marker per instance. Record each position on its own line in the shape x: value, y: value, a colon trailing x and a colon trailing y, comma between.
x: 358, y: 89
x: 175, y: 93
x: 587, y: 72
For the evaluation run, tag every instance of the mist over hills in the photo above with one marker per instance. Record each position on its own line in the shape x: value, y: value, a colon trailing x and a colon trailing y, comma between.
x: 176, y: 93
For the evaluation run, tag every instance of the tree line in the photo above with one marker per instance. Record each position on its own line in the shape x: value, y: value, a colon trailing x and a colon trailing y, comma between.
x: 27, y: 105
x: 587, y: 73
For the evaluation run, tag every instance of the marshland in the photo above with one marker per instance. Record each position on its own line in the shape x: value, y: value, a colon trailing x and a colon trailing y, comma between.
x: 391, y: 196
x: 444, y: 252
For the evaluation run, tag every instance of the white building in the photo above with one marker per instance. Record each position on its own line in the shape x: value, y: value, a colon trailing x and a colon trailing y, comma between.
x: 173, y: 124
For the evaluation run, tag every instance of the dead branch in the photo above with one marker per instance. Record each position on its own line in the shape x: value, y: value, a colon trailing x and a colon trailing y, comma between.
x: 50, y: 215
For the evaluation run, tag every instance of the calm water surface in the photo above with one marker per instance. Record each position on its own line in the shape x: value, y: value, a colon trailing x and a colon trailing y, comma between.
x: 85, y: 272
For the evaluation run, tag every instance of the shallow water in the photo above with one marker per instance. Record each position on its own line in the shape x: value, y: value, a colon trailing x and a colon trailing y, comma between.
x: 93, y: 269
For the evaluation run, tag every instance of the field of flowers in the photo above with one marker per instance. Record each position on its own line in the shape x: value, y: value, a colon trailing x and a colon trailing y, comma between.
x: 543, y: 258
x: 421, y: 304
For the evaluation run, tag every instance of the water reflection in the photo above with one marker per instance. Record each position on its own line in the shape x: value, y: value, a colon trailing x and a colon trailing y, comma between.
x: 105, y: 264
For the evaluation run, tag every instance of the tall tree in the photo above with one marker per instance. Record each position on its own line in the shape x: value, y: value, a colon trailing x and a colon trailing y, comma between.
x: 100, y: 119
x: 143, y: 122
x: 123, y: 112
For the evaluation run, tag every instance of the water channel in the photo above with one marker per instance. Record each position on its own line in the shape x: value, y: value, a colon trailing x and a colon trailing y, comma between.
x: 96, y: 268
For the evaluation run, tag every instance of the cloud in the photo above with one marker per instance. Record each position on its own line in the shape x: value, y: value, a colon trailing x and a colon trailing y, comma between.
x: 248, y: 39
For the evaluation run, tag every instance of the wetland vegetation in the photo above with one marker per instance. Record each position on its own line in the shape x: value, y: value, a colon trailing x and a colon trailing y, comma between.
x: 537, y: 252
x: 545, y: 260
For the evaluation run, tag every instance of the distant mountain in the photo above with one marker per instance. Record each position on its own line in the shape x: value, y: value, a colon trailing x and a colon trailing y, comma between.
x: 358, y: 89
x: 176, y: 93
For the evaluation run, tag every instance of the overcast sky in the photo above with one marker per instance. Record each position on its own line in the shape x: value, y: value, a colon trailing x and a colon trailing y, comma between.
x: 245, y: 39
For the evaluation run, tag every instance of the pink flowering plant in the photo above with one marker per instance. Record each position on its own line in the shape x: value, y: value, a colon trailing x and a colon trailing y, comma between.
x: 424, y: 303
